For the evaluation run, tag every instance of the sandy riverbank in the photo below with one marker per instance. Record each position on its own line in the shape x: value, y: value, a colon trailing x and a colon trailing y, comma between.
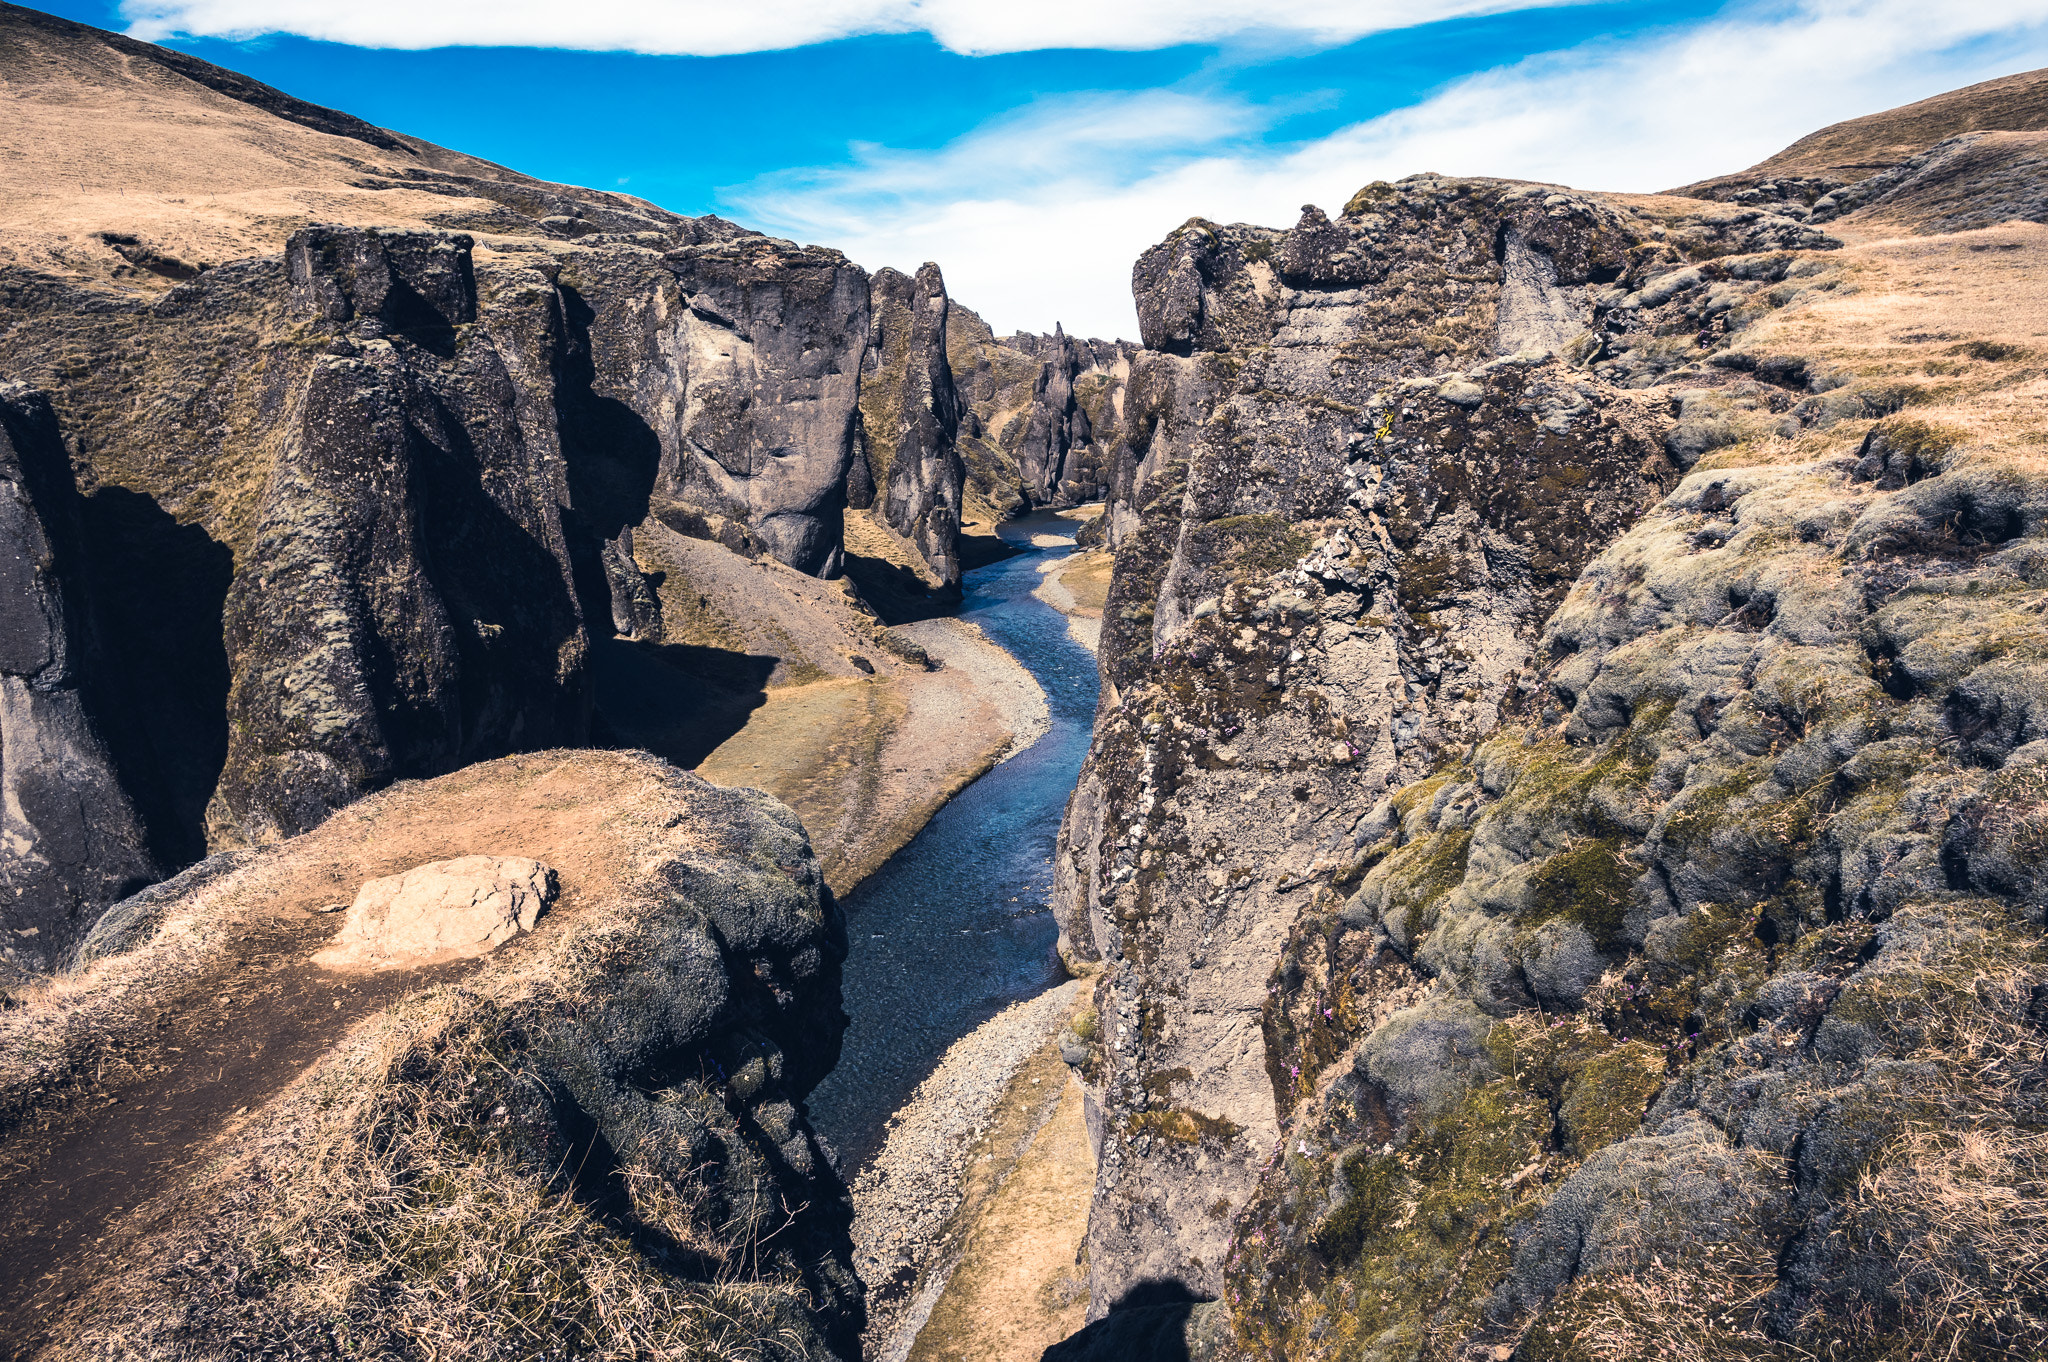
x: 988, y: 1114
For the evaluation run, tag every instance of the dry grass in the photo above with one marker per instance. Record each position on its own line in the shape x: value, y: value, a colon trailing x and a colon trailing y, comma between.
x: 1956, y: 323
x: 1964, y: 1215
x: 1956, y: 1206
x: 413, y: 1217
x: 1708, y: 1310
x: 1021, y: 1286
x: 94, y: 141
x: 435, y: 1186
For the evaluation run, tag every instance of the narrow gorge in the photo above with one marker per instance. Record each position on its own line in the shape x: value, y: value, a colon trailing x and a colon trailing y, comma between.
x: 583, y: 782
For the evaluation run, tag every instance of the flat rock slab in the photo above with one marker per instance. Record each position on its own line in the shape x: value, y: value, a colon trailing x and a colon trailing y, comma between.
x: 446, y: 910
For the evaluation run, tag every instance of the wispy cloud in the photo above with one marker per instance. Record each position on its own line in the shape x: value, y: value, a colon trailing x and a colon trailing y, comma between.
x: 722, y: 27
x: 1038, y: 216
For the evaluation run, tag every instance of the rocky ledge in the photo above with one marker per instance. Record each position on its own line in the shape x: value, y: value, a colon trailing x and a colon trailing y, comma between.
x: 1556, y: 854
x: 591, y: 1135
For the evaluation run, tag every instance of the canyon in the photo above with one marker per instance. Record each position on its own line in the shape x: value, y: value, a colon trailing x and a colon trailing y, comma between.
x: 1550, y: 750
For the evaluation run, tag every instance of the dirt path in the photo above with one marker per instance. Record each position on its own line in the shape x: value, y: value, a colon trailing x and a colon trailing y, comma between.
x: 77, y: 1181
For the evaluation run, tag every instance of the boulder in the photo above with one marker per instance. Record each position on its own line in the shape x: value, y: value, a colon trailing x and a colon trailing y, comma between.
x: 447, y: 910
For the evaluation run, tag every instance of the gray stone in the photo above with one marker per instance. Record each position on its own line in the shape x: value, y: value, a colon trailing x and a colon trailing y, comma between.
x: 71, y: 841
x: 449, y: 910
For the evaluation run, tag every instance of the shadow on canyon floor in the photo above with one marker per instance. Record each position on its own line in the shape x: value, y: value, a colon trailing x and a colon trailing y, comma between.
x: 1147, y: 1323
x: 679, y: 701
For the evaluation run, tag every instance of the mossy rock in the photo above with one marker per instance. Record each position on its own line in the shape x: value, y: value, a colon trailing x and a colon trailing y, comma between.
x: 1588, y: 884
x: 1605, y: 1100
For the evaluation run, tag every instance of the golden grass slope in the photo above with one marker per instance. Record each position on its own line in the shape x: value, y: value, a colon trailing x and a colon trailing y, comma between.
x: 100, y: 135
x: 1858, y: 146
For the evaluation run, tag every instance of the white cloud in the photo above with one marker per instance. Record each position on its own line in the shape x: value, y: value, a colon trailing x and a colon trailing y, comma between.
x: 1039, y: 216
x: 722, y: 27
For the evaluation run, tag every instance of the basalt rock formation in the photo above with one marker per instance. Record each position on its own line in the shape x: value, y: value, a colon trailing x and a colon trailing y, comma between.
x: 70, y: 838
x: 909, y: 465
x: 1043, y: 414
x: 1552, y: 851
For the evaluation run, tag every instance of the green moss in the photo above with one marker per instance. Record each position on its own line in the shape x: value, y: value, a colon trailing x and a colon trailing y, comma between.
x: 1180, y: 1125
x: 1261, y: 543
x: 1414, y: 1248
x: 1366, y: 1208
x: 1554, y: 781
x: 1419, y: 795
x: 1421, y: 873
x: 1710, y: 807
x: 1161, y: 1084
x: 1588, y: 884
x: 1605, y: 1100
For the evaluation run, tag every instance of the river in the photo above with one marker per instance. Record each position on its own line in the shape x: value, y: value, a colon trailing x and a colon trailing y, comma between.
x: 957, y: 925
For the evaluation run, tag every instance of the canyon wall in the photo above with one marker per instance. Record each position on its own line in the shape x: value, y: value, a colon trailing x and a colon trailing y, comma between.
x: 361, y: 505
x: 356, y: 501
x: 1539, y: 812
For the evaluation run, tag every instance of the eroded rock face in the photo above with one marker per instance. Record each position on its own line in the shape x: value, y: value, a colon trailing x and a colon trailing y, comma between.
x: 1341, y: 517
x: 449, y: 910
x: 909, y: 463
x: 71, y: 841
x: 407, y: 604
x: 1042, y: 415
x: 729, y: 370
x: 1540, y: 894
x: 378, y: 494
x: 1726, y: 921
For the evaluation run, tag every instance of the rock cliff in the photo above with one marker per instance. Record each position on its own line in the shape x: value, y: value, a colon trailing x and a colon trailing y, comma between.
x: 70, y: 838
x: 909, y: 466
x: 1043, y: 414
x: 1548, y: 861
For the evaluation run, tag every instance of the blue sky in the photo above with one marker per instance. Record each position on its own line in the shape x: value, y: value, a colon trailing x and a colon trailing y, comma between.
x: 1033, y: 150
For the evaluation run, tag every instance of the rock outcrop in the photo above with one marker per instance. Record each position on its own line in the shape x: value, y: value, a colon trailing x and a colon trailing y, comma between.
x: 1042, y: 415
x: 594, y: 1133
x: 71, y: 840
x: 405, y: 604
x: 1553, y: 891
x: 1339, y: 525
x: 734, y: 366
x: 909, y: 465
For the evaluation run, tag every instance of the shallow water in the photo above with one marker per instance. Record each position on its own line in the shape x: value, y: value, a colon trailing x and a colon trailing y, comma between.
x: 955, y: 927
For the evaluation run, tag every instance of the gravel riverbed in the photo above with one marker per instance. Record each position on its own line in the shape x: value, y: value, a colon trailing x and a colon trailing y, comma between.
x: 905, y: 1199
